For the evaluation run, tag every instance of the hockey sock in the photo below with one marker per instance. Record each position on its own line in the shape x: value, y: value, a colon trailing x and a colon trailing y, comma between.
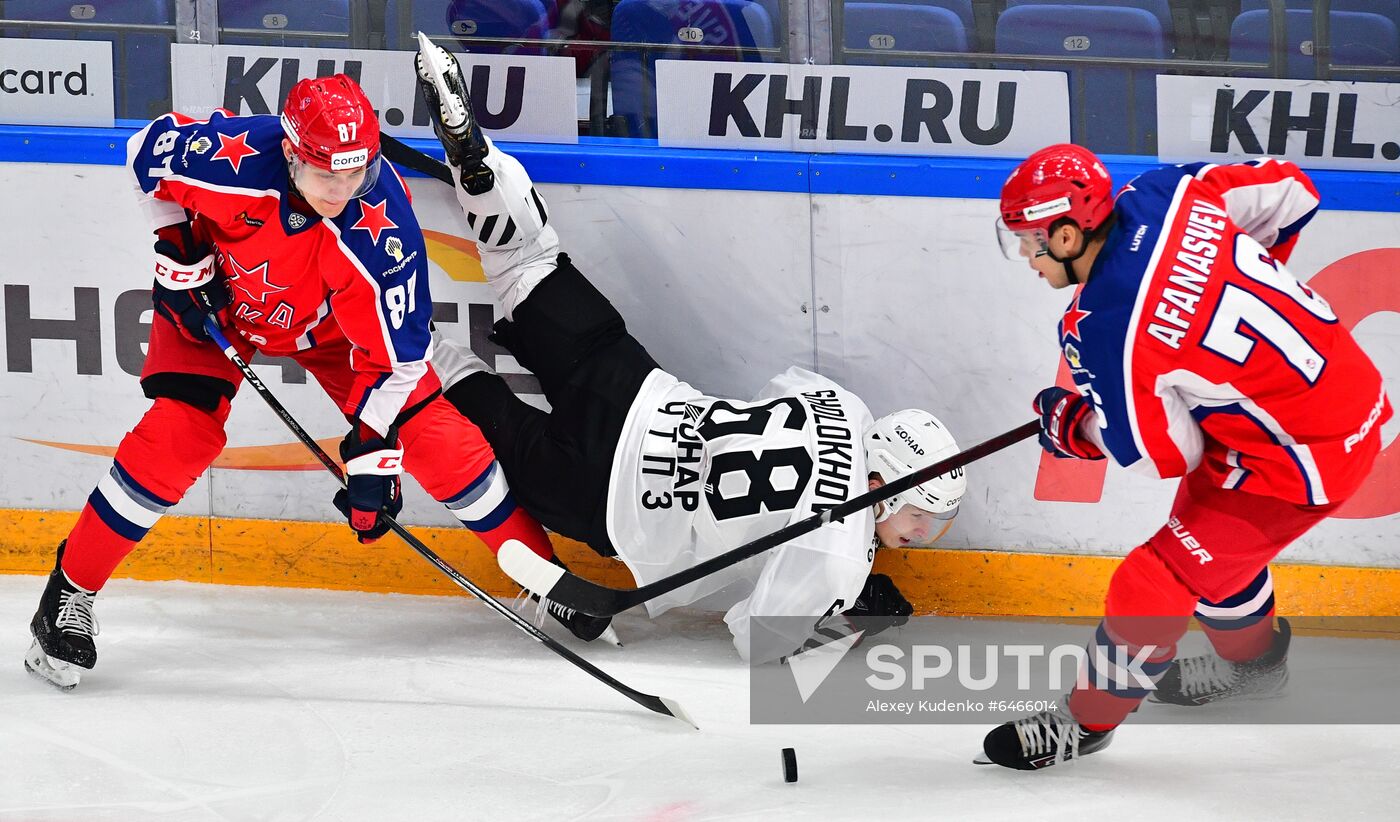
x: 1147, y: 611
x: 155, y: 464
x: 487, y: 507
x: 1241, y: 627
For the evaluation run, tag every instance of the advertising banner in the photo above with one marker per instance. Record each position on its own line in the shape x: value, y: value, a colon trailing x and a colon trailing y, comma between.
x: 518, y: 98
x: 56, y: 82
x: 1315, y: 123
x: 871, y: 109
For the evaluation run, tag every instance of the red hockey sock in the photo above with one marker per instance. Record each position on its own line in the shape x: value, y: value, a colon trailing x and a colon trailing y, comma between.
x: 519, y: 525
x: 1241, y: 627
x: 155, y: 464
x: 1243, y: 644
x: 1146, y: 612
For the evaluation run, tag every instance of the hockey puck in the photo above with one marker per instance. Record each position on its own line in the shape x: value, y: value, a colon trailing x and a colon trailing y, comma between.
x: 789, y: 765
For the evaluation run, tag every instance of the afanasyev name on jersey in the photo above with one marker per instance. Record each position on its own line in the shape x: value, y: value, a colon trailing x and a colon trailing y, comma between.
x: 1176, y: 306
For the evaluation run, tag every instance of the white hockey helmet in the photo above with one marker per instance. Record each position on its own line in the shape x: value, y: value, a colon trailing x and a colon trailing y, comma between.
x: 905, y: 441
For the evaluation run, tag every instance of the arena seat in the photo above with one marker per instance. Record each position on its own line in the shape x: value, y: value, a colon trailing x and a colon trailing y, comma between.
x: 404, y: 18
x: 901, y: 27
x: 740, y: 24
x: 507, y: 20
x: 962, y: 8
x: 1160, y: 9
x: 1389, y: 9
x: 267, y: 23
x: 1358, y: 39
x: 1114, y: 110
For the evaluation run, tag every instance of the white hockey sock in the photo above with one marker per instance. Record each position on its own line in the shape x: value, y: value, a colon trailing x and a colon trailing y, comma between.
x: 509, y: 224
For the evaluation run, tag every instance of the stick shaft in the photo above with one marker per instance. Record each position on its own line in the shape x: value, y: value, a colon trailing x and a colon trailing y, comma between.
x: 648, y: 701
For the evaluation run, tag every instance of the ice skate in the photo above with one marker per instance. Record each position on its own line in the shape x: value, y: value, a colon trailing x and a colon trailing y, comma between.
x: 1198, y: 680
x: 584, y: 626
x: 444, y: 88
x: 1039, y: 741
x: 63, y: 629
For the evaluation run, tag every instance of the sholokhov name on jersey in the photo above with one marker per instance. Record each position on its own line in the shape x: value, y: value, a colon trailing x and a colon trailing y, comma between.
x: 1176, y: 307
x: 835, y: 448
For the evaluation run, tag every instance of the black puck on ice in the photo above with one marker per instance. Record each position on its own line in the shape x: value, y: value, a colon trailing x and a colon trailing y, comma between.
x: 789, y: 765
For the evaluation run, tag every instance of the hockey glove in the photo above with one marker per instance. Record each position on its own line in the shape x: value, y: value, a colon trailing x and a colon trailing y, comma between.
x: 372, y: 468
x: 1061, y: 413
x: 188, y: 285
x: 880, y: 606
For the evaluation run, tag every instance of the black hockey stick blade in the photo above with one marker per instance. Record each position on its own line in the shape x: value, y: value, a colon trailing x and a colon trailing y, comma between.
x: 397, y: 151
x: 659, y: 704
x: 549, y: 580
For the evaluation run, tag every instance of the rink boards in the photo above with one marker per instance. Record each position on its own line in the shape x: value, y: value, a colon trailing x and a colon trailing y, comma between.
x: 837, y: 264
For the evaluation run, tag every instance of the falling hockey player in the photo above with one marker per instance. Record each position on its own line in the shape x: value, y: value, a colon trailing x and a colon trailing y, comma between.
x: 295, y: 232
x: 1196, y: 355
x: 640, y: 465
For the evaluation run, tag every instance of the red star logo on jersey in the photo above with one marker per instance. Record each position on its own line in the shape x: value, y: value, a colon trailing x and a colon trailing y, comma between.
x: 374, y: 220
x: 1073, y: 317
x: 234, y: 149
x: 252, y: 281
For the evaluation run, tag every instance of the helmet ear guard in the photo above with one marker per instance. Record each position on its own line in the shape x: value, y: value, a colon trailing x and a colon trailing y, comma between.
x: 905, y: 441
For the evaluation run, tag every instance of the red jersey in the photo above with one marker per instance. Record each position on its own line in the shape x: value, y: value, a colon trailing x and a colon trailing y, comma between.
x: 1200, y: 351
x: 297, y: 278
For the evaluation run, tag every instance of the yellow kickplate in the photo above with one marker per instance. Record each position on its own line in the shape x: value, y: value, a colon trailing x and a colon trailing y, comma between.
x: 326, y: 555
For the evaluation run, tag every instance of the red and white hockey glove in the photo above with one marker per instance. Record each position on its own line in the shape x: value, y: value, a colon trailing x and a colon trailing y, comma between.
x: 1061, y: 413
x: 188, y: 285
x: 373, y: 465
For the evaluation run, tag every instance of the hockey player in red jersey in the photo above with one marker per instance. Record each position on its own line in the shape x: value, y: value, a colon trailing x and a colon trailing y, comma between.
x: 1196, y: 354
x: 642, y: 466
x: 300, y: 238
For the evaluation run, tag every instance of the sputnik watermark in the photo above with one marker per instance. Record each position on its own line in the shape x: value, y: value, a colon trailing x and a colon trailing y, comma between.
x: 894, y: 668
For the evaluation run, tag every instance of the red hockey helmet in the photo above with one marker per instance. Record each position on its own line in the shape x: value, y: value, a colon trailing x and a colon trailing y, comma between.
x: 1059, y: 181
x: 332, y: 126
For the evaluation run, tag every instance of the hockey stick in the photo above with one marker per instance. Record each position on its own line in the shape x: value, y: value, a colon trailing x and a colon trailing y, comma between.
x: 659, y: 704
x: 551, y: 581
x: 406, y: 155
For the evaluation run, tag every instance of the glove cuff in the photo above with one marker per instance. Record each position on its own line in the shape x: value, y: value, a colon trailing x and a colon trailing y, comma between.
x: 385, y: 462
x: 178, y: 276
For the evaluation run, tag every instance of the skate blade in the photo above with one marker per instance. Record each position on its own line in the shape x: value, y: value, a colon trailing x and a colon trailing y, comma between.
x: 981, y: 759
x: 57, y: 673
x: 610, y: 636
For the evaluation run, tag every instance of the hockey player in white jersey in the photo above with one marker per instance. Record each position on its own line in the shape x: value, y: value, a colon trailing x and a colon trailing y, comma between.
x: 640, y: 465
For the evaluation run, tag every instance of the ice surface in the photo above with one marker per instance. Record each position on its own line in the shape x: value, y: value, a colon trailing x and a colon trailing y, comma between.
x: 220, y: 703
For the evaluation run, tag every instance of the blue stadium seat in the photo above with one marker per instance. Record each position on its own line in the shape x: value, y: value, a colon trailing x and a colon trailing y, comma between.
x: 1114, y: 109
x: 505, y: 19
x: 267, y: 21
x: 962, y: 8
x: 1357, y: 40
x: 402, y: 18
x: 1385, y: 8
x: 902, y: 28
x: 740, y: 24
x: 1160, y: 9
x: 140, y: 60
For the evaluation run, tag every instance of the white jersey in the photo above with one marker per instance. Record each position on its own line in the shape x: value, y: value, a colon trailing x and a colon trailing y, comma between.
x: 695, y: 476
